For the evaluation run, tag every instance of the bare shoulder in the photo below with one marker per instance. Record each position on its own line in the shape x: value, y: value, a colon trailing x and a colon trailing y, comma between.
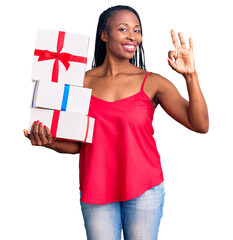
x: 155, y: 77
x: 159, y: 82
x: 92, y: 72
x: 89, y: 75
x: 155, y: 85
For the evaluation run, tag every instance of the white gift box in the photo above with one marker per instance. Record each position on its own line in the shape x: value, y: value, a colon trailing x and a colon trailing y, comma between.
x: 62, y: 97
x: 65, y: 125
x: 54, y: 48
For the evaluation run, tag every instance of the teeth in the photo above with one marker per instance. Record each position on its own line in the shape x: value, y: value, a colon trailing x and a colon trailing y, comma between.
x: 130, y: 46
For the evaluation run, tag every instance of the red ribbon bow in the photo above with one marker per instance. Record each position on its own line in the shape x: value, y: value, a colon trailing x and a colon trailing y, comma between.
x: 65, y: 58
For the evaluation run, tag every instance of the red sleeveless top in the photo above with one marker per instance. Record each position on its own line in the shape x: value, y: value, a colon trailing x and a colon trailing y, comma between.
x: 122, y: 162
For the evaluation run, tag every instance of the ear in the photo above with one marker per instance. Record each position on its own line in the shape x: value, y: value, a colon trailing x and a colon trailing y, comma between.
x: 104, y: 36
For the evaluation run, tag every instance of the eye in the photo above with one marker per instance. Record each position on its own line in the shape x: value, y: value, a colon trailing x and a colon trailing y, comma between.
x: 122, y: 29
x: 137, y: 30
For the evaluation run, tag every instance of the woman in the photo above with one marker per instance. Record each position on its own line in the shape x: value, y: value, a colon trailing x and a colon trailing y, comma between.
x: 121, y: 180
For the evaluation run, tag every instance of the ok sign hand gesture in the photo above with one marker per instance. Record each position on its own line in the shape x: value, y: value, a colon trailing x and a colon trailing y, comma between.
x: 184, y: 58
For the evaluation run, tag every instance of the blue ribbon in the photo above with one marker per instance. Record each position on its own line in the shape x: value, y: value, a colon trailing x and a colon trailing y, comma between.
x: 34, y: 94
x: 65, y: 97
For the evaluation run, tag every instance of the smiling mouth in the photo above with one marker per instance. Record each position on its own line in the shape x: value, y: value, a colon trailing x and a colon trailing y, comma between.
x: 129, y: 48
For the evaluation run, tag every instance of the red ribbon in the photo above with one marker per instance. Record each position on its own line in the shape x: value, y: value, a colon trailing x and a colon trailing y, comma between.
x: 54, y: 124
x: 87, y: 129
x: 65, y: 58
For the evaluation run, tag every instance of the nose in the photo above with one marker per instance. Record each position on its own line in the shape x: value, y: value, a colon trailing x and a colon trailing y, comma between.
x: 131, y: 35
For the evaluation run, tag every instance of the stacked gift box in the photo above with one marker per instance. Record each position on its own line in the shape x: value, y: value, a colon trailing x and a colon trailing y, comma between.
x: 59, y: 99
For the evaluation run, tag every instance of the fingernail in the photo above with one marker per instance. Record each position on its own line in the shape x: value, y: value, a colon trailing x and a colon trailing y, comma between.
x: 45, y: 126
x: 170, y: 58
x: 37, y: 121
x: 40, y: 123
x: 34, y: 122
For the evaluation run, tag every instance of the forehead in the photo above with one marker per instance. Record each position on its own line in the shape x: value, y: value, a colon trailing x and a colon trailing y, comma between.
x: 123, y: 16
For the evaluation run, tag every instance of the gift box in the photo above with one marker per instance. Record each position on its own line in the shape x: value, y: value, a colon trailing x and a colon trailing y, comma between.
x: 60, y: 57
x: 64, y: 125
x: 62, y: 97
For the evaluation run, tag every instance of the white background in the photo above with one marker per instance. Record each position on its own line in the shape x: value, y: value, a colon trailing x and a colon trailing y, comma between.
x: 40, y: 188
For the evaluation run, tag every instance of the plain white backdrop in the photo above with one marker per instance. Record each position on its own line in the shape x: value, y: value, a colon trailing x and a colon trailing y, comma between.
x: 40, y: 188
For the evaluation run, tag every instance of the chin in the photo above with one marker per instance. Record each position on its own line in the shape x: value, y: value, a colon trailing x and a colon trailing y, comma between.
x: 128, y: 55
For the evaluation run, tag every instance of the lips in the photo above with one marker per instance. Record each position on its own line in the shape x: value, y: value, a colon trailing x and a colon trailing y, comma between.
x: 129, y: 47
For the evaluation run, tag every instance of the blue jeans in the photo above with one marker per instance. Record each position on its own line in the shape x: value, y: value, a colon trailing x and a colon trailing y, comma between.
x: 139, y: 217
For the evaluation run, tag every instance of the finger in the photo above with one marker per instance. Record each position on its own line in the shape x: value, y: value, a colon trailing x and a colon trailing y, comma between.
x: 48, y: 134
x: 172, y: 54
x: 172, y: 64
x: 36, y: 134
x: 33, y: 141
x: 190, y: 43
x: 26, y: 134
x: 41, y: 134
x: 183, y: 44
x: 174, y: 39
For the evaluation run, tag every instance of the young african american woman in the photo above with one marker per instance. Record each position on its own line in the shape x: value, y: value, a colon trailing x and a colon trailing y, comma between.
x: 121, y: 180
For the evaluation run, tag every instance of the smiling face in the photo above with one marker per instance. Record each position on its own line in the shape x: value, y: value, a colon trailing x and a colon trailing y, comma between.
x: 123, y: 34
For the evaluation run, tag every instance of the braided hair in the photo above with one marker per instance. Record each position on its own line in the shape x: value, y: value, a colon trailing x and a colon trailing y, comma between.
x: 100, y: 46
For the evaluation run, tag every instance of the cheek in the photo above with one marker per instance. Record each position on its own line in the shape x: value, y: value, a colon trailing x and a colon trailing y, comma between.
x: 112, y: 46
x: 139, y: 39
x: 115, y: 41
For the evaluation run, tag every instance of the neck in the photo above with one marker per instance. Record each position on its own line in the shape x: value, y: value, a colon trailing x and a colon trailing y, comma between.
x: 113, y: 66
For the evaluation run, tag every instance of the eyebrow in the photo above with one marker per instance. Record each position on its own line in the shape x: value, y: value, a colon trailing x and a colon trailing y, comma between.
x: 127, y: 24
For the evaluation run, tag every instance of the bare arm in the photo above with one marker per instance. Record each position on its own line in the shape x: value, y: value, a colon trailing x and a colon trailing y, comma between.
x: 41, y: 136
x: 193, y: 113
x: 197, y: 112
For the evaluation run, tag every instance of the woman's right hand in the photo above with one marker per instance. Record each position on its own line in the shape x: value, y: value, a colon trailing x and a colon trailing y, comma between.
x: 40, y: 135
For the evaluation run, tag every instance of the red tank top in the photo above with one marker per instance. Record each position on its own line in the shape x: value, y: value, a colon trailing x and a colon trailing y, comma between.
x: 122, y: 162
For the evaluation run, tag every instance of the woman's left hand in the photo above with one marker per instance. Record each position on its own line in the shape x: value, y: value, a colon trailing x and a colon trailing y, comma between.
x: 184, y: 58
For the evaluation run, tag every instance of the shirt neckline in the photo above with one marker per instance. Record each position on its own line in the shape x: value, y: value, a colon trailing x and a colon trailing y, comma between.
x: 119, y: 100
